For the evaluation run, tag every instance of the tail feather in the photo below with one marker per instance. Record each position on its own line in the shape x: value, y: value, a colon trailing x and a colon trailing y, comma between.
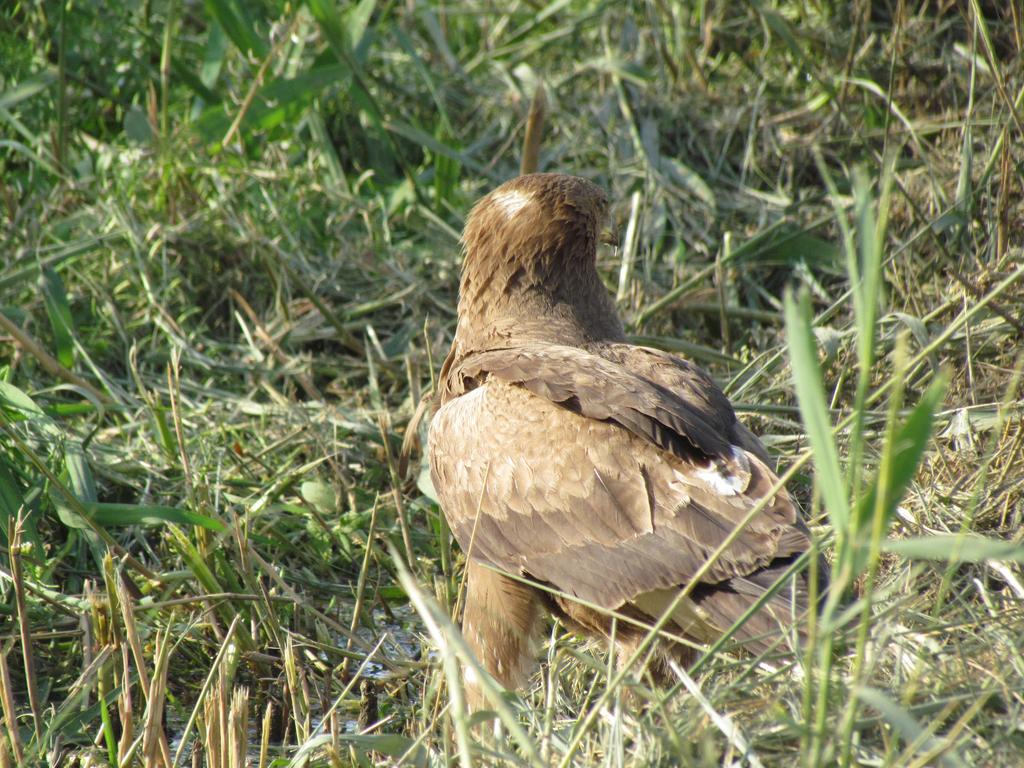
x: 785, y: 611
x: 712, y: 609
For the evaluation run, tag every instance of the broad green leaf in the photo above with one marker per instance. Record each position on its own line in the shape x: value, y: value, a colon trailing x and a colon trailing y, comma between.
x: 951, y: 219
x: 907, y: 448
x: 784, y: 243
x: 308, y: 748
x: 791, y: 246
x: 275, y: 102
x: 17, y: 404
x: 182, y: 74
x: 74, y: 721
x: 17, y: 315
x: 10, y: 496
x: 393, y: 593
x: 385, y: 743
x: 811, y: 396
x: 79, y: 474
x: 55, y: 296
x: 681, y: 346
x: 320, y: 495
x: 417, y: 136
x: 626, y: 69
x: 357, y: 19
x: 14, y: 501
x: 69, y: 516
x: 896, y: 715
x: 916, y: 326
x: 26, y: 89
x: 334, y: 27
x: 829, y: 339
x: 137, y: 127
x: 213, y: 61
x: 213, y: 55
x: 232, y: 15
x: 193, y: 560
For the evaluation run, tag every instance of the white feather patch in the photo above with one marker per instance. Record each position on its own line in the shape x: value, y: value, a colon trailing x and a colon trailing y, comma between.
x: 512, y: 201
x: 721, y: 481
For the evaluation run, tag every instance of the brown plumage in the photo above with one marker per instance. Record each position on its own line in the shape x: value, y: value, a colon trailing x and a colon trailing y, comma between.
x: 564, y: 455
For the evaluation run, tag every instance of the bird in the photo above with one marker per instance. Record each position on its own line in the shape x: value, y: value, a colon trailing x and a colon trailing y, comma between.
x: 583, y: 476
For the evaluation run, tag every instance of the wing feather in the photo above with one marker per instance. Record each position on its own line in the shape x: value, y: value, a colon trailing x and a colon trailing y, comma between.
x: 598, y: 480
x: 599, y: 389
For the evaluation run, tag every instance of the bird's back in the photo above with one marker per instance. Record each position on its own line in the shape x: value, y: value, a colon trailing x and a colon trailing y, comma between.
x: 611, y: 475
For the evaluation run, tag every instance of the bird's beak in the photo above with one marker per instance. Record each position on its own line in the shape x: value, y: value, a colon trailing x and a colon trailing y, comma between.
x: 609, y: 236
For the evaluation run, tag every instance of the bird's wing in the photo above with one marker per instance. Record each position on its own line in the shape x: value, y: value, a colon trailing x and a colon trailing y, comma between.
x: 605, y: 390
x: 692, y: 384
x: 689, y: 382
x: 560, y: 465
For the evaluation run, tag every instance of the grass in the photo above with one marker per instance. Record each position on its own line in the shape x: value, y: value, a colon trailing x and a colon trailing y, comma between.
x: 230, y: 254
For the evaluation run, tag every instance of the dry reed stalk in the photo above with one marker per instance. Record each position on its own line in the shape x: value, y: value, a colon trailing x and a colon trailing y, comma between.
x: 14, y: 532
x: 10, y: 713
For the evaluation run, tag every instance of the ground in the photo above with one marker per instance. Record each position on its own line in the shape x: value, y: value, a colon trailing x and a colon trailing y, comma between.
x: 229, y: 259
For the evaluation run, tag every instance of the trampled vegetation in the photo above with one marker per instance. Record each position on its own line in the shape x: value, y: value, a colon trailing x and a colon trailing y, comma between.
x: 229, y: 251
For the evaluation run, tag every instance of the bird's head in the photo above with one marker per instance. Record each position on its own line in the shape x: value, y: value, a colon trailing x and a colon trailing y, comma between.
x: 530, y: 252
x: 537, y: 218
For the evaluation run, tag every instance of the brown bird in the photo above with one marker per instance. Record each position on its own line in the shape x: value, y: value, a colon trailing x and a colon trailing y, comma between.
x: 565, y: 456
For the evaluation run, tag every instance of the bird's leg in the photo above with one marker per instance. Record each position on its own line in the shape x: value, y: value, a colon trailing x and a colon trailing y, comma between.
x: 659, y: 663
x: 500, y: 624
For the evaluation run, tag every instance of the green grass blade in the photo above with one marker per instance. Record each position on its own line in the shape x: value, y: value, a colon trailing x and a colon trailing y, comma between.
x: 907, y: 448
x: 234, y: 18
x: 965, y: 548
x: 55, y: 296
x: 903, y: 721
x: 278, y: 102
x: 80, y: 476
x: 16, y: 405
x: 810, y: 393
x: 26, y: 89
x: 111, y: 515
